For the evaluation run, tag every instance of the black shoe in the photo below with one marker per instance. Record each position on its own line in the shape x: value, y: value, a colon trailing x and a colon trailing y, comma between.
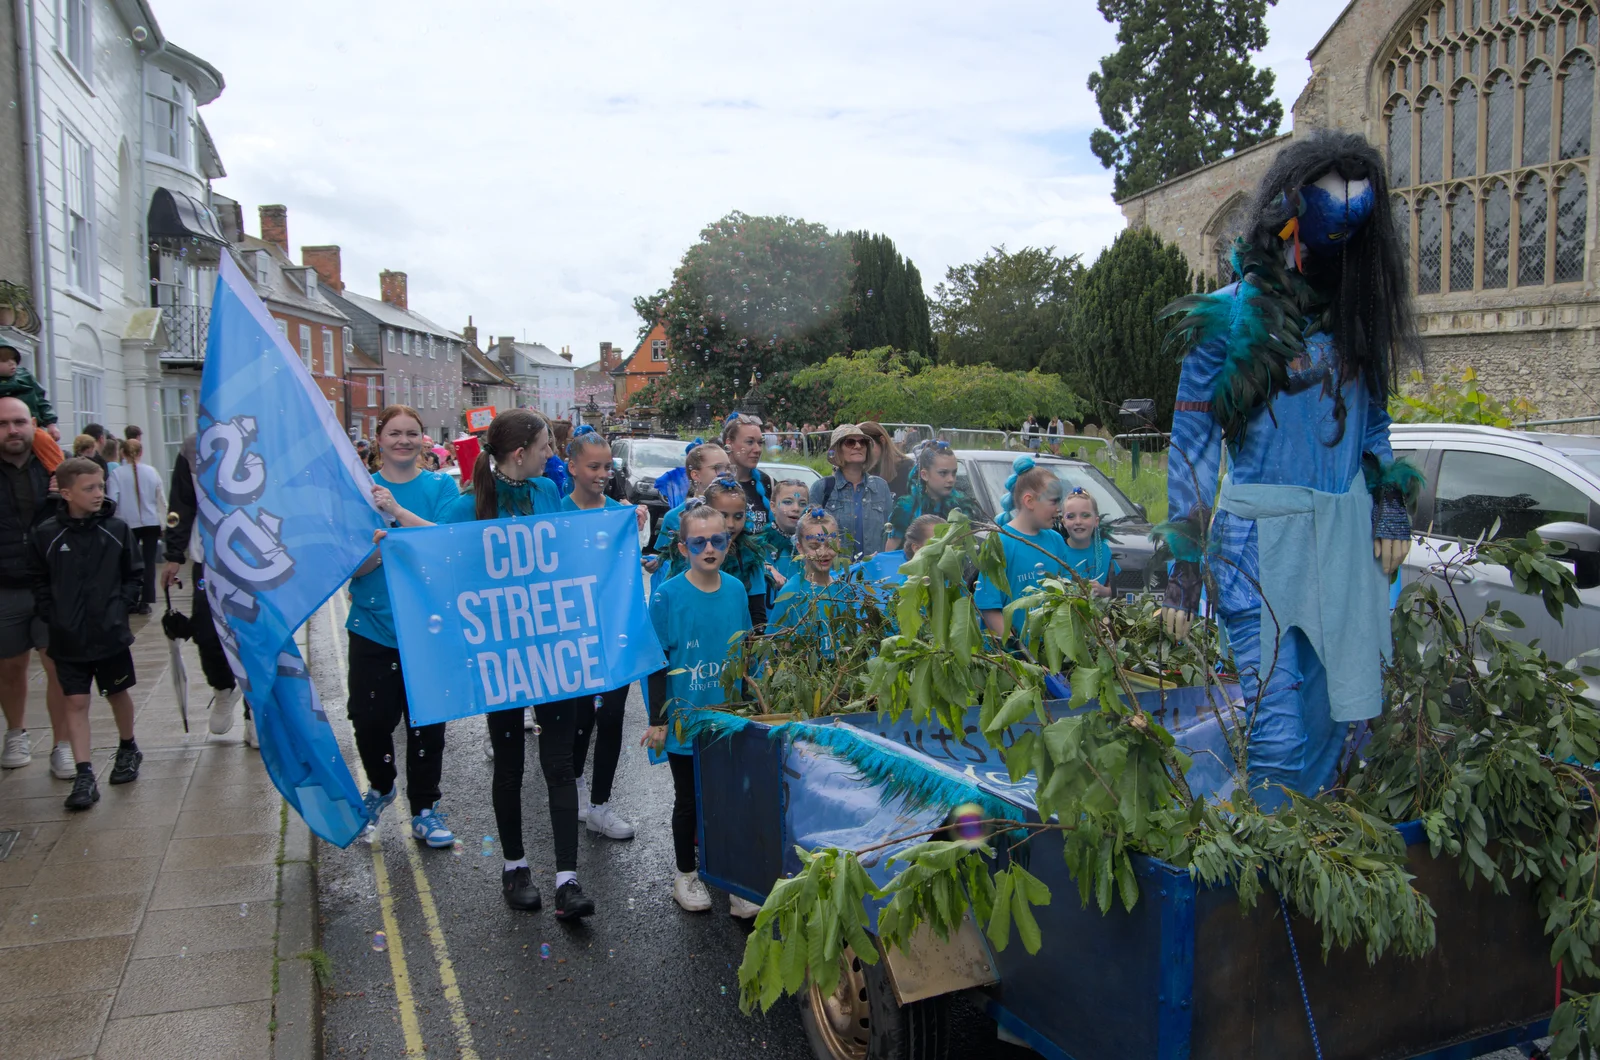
x: 516, y: 887
x: 142, y: 609
x: 85, y: 792
x: 572, y: 903
x: 125, y: 769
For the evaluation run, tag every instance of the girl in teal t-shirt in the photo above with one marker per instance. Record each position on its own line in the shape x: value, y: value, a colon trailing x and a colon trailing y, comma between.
x: 814, y: 604
x: 1033, y: 551
x: 698, y: 618
x: 1088, y: 552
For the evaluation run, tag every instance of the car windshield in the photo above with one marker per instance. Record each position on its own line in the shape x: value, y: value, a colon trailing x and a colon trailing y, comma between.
x: 797, y: 471
x: 1113, y: 503
x: 657, y: 453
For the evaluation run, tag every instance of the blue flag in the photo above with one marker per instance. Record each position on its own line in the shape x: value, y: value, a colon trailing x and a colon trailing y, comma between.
x: 285, y: 516
x: 512, y: 612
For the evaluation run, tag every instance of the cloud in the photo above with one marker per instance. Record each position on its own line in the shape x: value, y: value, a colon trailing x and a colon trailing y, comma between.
x: 537, y: 165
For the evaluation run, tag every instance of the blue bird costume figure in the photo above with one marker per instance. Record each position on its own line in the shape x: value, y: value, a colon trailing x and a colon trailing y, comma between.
x: 1290, y: 369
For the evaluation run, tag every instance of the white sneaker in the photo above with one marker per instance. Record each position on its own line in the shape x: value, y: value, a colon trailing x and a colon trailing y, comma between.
x: 527, y: 719
x: 742, y: 909
x: 690, y: 893
x: 603, y: 820
x: 62, y: 765
x: 488, y: 747
x: 222, y: 703
x: 18, y: 749
x: 583, y: 801
x: 250, y: 739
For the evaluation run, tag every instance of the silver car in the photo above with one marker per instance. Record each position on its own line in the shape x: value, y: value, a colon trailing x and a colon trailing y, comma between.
x: 1526, y: 481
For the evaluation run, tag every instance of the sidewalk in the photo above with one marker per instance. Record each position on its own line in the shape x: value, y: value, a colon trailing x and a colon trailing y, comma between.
x: 151, y: 925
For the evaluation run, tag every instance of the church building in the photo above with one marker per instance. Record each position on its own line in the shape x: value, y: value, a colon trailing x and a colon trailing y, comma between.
x: 1485, y: 110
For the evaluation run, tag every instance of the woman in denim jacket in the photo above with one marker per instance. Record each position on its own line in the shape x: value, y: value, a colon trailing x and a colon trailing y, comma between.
x: 860, y: 501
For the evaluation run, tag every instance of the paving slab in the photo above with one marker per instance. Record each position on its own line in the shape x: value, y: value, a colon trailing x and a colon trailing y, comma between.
x: 234, y: 1031
x: 205, y: 929
x: 68, y: 1026
x: 203, y: 980
x: 237, y: 883
x: 63, y: 968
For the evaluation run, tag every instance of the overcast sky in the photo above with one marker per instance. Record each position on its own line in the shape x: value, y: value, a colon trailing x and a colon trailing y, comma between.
x: 537, y: 165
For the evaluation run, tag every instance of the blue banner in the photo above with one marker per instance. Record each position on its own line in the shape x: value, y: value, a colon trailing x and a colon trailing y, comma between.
x: 285, y: 517
x: 527, y: 610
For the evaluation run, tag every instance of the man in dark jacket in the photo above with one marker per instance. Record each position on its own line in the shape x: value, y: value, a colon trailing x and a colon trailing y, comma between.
x: 25, y: 500
x: 181, y: 538
x: 87, y: 575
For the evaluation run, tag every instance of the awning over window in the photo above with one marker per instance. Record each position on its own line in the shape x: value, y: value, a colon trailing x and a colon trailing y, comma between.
x: 174, y: 215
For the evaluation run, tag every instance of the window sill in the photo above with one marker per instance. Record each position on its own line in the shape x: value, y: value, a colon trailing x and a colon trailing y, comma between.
x: 168, y: 162
x: 72, y: 68
x: 81, y: 296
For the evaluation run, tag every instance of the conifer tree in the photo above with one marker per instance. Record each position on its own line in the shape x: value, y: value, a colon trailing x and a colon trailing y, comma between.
x: 887, y: 305
x: 1181, y: 90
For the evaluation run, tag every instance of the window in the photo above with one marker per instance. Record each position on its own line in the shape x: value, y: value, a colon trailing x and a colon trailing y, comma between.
x: 77, y: 179
x: 1572, y: 211
x: 658, y: 349
x: 1400, y: 144
x: 327, y: 351
x: 1429, y: 249
x: 349, y: 345
x: 1497, y: 123
x: 283, y: 326
x: 1536, y: 95
x: 1577, y: 103
x: 1475, y: 489
x: 433, y: 395
x: 388, y: 341
x: 405, y: 342
x: 169, y: 117
x: 405, y: 391
x: 76, y: 34
x: 1464, y: 132
x: 1430, y: 137
x: 1496, y: 236
x: 449, y: 351
x: 87, y: 398
x: 1463, y: 241
x: 1402, y: 225
x: 1532, y: 208
x: 374, y: 384
x: 178, y: 405
x: 305, y: 345
x: 431, y: 353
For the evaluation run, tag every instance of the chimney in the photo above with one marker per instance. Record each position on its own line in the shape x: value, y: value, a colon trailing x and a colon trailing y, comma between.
x: 508, y: 355
x: 392, y: 288
x: 275, y: 226
x: 326, y: 261
x: 230, y: 215
x: 470, y: 334
x: 566, y: 354
x: 605, y: 357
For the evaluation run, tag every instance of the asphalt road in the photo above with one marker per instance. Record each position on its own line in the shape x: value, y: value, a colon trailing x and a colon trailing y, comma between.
x: 638, y: 978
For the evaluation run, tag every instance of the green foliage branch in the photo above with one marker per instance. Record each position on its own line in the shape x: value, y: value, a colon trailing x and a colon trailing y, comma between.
x: 1446, y: 399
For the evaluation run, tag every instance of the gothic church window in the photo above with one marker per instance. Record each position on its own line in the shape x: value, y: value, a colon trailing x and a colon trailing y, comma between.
x: 1501, y: 108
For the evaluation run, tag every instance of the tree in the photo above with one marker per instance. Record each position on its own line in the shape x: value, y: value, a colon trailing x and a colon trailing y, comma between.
x: 882, y: 385
x: 1117, y: 346
x: 887, y: 305
x: 1180, y: 91
x: 1008, y: 310
x: 754, y: 295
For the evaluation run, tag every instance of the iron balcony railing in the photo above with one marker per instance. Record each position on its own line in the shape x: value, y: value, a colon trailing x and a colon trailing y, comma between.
x: 187, y: 327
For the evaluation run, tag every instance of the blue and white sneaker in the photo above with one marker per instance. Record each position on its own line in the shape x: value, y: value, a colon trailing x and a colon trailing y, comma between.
x: 429, y: 827
x: 376, y: 804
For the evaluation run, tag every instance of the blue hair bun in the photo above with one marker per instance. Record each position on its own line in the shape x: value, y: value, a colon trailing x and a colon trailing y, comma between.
x: 587, y: 428
x: 694, y: 502
x: 692, y: 445
x: 1021, y: 464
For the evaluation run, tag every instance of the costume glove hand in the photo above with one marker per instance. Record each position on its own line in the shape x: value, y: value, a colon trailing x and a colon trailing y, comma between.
x: 1176, y: 622
x: 1391, y: 552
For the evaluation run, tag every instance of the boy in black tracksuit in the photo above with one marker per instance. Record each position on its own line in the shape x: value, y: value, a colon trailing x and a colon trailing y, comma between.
x: 87, y: 575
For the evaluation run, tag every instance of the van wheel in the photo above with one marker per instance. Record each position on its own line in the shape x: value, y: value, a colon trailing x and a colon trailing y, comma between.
x: 861, y: 1020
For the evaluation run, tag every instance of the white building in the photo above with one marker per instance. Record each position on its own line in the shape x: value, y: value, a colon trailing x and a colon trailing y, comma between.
x: 545, y: 380
x: 125, y: 241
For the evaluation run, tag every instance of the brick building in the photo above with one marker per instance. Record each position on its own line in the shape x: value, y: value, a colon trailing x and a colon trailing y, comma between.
x: 316, y: 328
x: 647, y: 361
x: 1486, y: 112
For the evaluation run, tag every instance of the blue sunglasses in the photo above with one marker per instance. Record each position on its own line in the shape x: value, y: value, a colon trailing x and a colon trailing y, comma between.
x: 698, y: 545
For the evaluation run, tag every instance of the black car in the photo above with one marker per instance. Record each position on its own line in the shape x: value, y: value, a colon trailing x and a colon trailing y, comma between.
x: 982, y: 476
x: 638, y: 462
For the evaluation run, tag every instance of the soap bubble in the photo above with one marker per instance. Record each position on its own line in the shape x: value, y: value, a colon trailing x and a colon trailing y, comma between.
x: 380, y: 942
x: 622, y: 640
x: 435, y: 623
x: 602, y: 540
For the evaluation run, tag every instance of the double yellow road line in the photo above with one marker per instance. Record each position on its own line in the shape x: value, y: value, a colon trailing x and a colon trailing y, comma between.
x: 410, y: 1027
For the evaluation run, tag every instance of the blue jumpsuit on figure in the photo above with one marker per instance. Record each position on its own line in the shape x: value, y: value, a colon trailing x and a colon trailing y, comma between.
x: 1284, y: 469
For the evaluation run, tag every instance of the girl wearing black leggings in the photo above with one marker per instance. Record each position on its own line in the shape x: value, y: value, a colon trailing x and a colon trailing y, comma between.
x: 589, y: 468
x: 508, y: 480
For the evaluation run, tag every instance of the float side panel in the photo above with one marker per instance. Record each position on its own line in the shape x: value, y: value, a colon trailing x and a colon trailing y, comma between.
x: 740, y: 779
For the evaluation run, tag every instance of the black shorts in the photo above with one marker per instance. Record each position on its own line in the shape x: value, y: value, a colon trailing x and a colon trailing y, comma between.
x: 114, y: 673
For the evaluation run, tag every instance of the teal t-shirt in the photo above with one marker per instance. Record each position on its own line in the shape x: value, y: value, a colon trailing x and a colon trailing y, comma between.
x: 1094, y: 562
x: 668, y: 530
x: 570, y: 505
x: 695, y: 628
x: 1030, y: 558
x: 534, y: 496
x: 881, y: 574
x: 433, y: 496
x: 812, y: 610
